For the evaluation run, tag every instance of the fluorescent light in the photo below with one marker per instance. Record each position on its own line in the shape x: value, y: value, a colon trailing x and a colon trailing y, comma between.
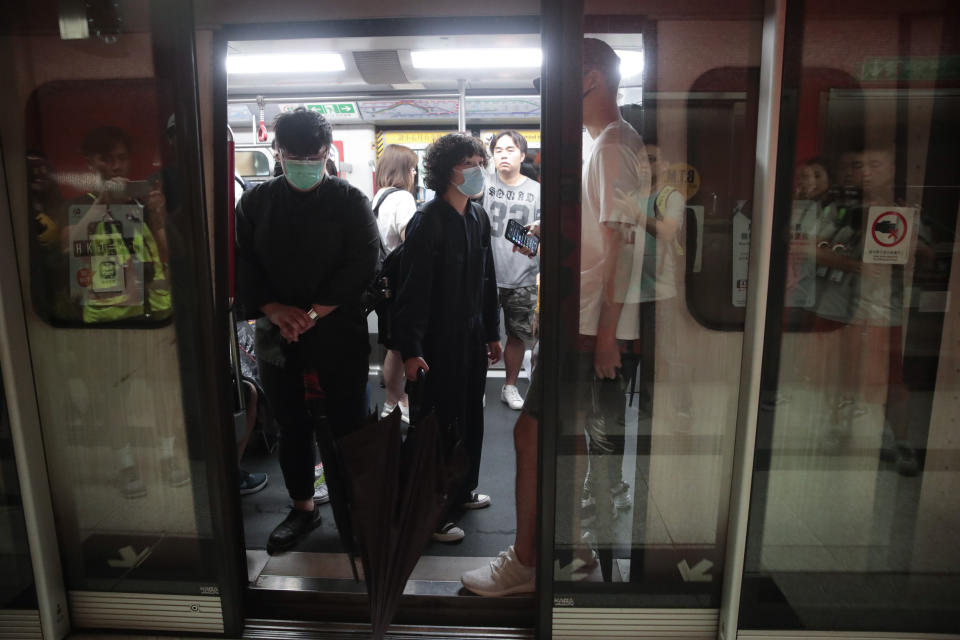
x: 476, y: 58
x: 284, y: 63
x: 631, y: 63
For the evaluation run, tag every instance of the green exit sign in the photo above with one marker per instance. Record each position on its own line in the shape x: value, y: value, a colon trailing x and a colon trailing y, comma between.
x: 335, y: 109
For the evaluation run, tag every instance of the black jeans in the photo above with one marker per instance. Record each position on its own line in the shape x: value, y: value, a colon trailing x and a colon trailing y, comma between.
x: 342, y: 366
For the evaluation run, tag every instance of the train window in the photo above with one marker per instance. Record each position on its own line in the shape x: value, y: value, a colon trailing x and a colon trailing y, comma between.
x: 100, y: 188
x: 254, y: 164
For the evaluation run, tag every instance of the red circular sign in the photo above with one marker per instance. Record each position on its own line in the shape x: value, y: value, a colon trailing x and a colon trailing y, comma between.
x: 892, y: 225
x: 84, y: 276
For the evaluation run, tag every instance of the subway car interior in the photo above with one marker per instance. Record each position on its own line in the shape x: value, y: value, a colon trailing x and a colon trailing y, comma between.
x: 782, y: 458
x: 378, y: 91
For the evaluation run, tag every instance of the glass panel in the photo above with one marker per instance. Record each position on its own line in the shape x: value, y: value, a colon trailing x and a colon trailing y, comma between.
x: 96, y: 204
x: 854, y: 522
x: 644, y: 459
x: 17, y: 588
x: 254, y: 164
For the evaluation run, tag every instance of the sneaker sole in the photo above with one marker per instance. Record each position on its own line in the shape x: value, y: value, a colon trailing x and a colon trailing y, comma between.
x: 259, y: 487
x: 510, y: 591
x: 470, y: 506
x: 448, y: 539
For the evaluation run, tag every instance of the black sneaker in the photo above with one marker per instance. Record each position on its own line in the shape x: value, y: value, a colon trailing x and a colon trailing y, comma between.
x: 294, y: 528
x: 252, y: 482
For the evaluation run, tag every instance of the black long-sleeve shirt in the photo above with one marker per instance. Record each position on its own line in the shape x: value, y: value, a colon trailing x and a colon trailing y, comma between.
x: 299, y: 249
x: 449, y: 292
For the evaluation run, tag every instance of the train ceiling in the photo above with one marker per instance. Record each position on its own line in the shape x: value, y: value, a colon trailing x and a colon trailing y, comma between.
x: 398, y: 79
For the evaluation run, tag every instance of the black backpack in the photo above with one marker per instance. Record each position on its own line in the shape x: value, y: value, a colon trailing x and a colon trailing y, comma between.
x: 389, y: 279
x: 388, y: 265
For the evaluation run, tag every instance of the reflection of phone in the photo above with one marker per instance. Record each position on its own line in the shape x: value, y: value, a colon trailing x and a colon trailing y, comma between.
x: 139, y: 189
x: 519, y: 236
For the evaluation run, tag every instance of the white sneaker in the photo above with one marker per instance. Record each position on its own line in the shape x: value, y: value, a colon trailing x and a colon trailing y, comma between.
x: 511, y: 395
x: 449, y: 532
x: 321, y: 495
x: 504, y: 575
x: 404, y: 411
x: 477, y: 501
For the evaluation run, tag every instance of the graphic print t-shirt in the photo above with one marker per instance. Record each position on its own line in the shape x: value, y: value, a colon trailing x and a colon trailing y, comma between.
x: 503, y: 203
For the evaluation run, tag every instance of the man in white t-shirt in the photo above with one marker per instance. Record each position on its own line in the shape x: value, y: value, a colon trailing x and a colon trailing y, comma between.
x: 608, y: 230
x: 512, y: 196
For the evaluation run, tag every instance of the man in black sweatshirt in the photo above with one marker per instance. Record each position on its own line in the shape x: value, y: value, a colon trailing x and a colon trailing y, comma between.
x: 307, y: 246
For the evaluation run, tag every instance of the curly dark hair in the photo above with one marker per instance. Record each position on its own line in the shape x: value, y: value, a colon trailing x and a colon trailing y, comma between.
x: 446, y: 153
x: 301, y: 132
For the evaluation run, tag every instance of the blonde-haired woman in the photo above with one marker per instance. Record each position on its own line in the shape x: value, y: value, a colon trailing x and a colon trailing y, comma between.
x: 394, y: 206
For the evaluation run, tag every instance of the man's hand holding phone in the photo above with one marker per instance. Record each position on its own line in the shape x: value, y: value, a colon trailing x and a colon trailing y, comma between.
x: 523, y: 238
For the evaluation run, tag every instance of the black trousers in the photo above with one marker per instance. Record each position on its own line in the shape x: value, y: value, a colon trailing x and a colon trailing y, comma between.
x: 341, y: 363
x: 455, y: 387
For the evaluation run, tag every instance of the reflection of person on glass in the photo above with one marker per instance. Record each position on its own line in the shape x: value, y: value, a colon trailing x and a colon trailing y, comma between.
x: 656, y: 288
x: 307, y: 247
x: 118, y: 230
x: 868, y: 298
x: 617, y: 161
x: 446, y: 318
x: 127, y: 252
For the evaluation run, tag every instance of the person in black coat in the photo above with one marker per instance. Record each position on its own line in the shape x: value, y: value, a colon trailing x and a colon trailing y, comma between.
x: 446, y: 316
x: 307, y: 247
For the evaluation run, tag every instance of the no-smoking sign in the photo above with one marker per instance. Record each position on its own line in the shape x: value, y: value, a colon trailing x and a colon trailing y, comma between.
x: 889, y: 232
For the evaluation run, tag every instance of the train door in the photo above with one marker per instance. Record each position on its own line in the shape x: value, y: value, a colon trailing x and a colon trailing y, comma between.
x: 775, y: 473
x: 114, y: 356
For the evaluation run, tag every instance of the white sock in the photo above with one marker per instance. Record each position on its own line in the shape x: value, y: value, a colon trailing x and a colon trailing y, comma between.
x: 166, y: 446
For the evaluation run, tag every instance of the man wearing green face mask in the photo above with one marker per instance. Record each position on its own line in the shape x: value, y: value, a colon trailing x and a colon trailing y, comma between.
x: 307, y: 246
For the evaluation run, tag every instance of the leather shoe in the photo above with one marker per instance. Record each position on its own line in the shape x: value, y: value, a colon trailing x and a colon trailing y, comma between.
x: 294, y: 528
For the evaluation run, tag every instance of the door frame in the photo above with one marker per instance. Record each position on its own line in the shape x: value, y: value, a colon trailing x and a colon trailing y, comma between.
x: 313, y: 606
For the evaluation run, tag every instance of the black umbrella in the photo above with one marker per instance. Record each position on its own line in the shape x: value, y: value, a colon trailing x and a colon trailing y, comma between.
x: 402, y: 487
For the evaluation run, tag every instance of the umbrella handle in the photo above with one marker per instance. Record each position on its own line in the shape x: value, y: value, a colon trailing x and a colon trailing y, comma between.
x: 414, y: 391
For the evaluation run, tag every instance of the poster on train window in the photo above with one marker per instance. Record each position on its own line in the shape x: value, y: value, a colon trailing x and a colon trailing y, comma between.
x: 106, y: 260
x: 888, y: 237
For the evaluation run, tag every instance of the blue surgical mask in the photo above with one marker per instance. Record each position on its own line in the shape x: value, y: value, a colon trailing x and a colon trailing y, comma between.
x: 472, y: 185
x: 304, y: 174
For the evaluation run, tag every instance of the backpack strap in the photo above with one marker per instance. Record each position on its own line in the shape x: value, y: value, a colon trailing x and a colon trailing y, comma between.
x: 386, y: 194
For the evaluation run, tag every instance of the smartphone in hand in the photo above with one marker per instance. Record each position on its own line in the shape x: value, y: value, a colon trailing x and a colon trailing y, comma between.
x: 518, y: 235
x: 138, y: 189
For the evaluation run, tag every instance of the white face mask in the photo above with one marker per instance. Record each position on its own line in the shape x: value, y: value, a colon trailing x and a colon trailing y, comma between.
x: 472, y: 184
